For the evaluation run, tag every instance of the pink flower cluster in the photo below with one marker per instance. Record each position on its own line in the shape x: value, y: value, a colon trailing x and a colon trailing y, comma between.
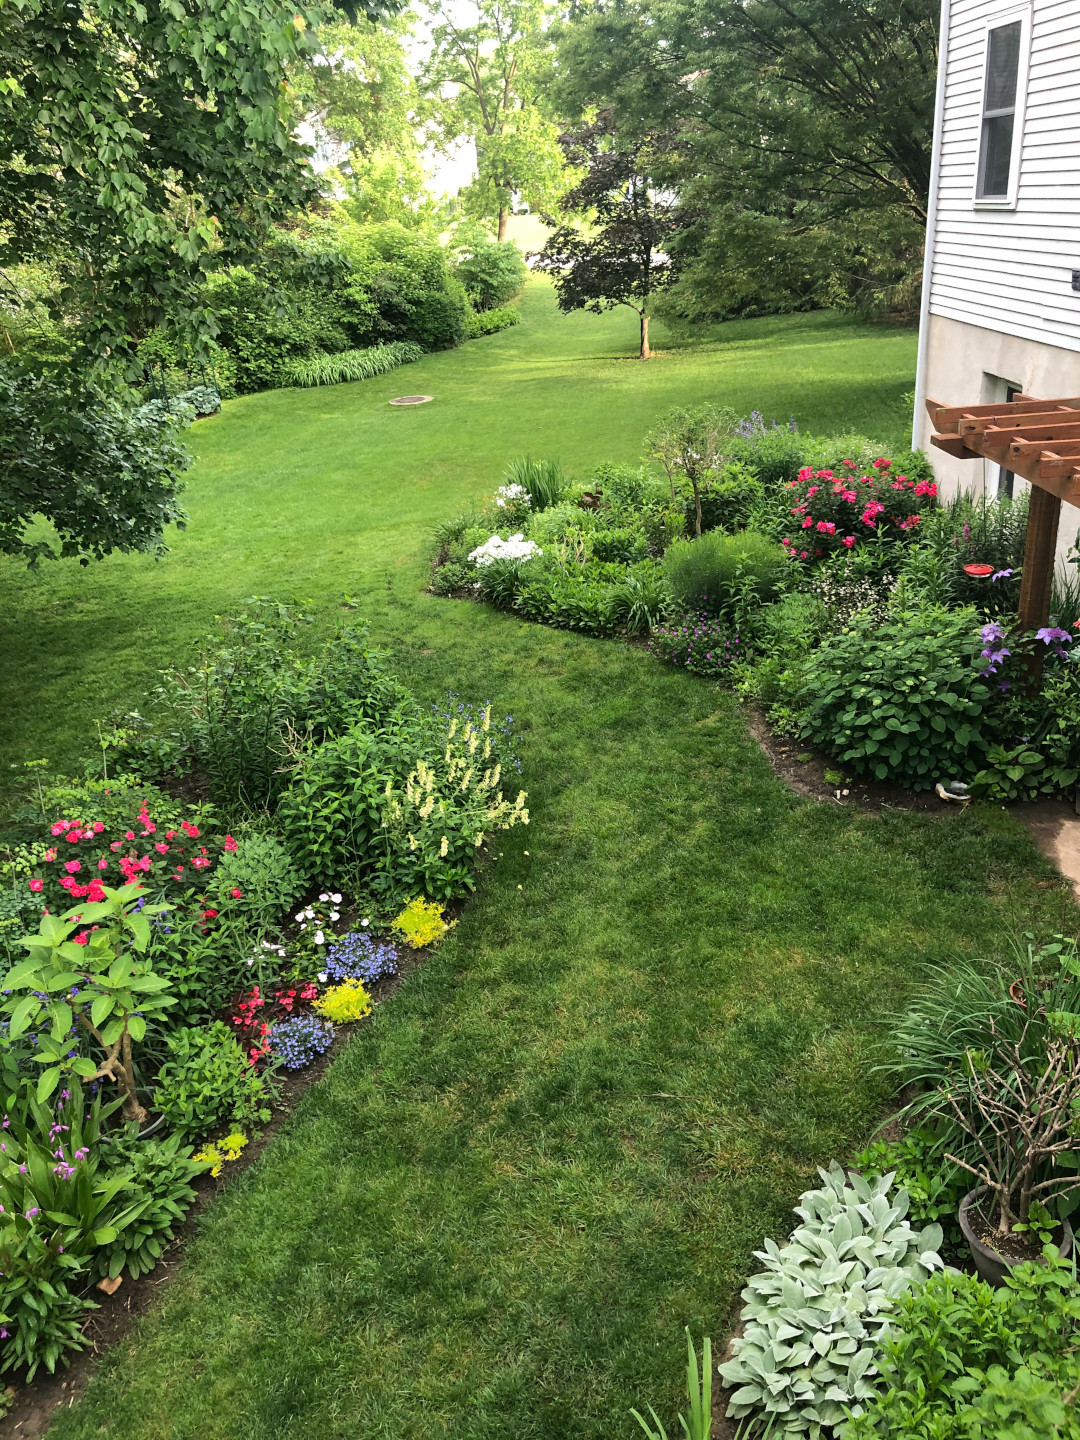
x: 834, y: 510
x: 174, y: 860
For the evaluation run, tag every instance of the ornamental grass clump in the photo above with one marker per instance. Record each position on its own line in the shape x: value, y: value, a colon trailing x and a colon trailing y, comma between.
x: 815, y: 1316
x: 298, y: 1040
x: 716, y: 572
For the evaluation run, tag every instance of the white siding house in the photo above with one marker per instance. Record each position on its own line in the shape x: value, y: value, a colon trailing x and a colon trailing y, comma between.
x: 1001, y: 291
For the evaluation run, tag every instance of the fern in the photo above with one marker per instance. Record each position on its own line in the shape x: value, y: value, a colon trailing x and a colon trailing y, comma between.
x: 325, y: 369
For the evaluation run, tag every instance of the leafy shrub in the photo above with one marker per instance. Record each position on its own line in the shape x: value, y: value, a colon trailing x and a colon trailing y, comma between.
x: 73, y: 451
x: 963, y: 1361
x: 691, y: 445
x: 247, y: 696
x: 711, y: 572
x: 159, y: 1175
x: 345, y: 1002
x: 262, y: 870
x: 492, y: 271
x: 207, y: 1081
x: 814, y: 1316
x: 421, y: 923
x: 903, y: 702
x: 358, y: 956
x: 627, y: 546
x: 774, y: 452
x: 566, y: 601
x: 449, y: 578
x: 934, y: 1185
x: 298, y: 1040
x: 727, y: 501
x: 40, y: 1318
x: 784, y: 633
x: 543, y: 480
x: 349, y: 365
x: 701, y: 644
x: 489, y: 322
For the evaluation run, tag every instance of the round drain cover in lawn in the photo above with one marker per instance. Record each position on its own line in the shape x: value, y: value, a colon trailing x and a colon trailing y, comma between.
x: 412, y: 399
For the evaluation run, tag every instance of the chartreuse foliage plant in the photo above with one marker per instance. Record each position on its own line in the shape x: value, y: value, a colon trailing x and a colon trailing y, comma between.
x: 902, y: 701
x: 964, y: 1361
x: 813, y: 1317
x: 344, y: 1002
x: 85, y: 975
x: 421, y: 923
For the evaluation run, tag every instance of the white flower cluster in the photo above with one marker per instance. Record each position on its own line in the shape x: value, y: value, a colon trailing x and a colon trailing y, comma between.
x: 264, y: 945
x: 305, y: 917
x: 512, y: 494
x: 516, y: 548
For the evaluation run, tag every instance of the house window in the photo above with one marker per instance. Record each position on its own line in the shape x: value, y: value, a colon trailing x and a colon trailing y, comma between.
x: 1002, y: 111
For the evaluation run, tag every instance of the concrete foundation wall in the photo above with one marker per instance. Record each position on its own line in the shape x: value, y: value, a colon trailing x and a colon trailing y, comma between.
x: 969, y: 364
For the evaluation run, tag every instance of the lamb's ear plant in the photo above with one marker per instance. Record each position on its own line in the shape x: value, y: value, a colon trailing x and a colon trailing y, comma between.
x: 96, y: 984
x: 815, y: 1315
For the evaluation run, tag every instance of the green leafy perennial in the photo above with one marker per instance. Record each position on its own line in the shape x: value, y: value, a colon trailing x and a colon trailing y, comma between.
x: 815, y: 1315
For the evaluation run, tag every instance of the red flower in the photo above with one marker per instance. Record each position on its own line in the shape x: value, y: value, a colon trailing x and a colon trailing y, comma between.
x: 72, y: 867
x: 237, y: 894
x: 209, y: 914
x: 161, y: 848
x: 72, y: 837
x: 230, y: 844
x: 97, y: 827
x: 36, y: 885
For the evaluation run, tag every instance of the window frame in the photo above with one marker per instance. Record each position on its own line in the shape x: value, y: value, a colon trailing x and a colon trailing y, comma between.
x: 995, y: 22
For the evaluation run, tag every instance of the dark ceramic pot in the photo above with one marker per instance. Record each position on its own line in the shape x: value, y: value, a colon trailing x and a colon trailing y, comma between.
x: 991, y: 1266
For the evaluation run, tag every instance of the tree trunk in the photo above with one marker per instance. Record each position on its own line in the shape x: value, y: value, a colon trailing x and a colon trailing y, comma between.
x: 697, y: 510
x: 645, y: 351
x: 133, y: 1110
x: 504, y: 215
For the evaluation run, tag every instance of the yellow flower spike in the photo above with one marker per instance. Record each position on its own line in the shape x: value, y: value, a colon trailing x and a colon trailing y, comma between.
x: 444, y: 847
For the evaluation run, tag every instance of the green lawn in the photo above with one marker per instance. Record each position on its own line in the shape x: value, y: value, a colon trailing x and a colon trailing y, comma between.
x: 565, y: 1136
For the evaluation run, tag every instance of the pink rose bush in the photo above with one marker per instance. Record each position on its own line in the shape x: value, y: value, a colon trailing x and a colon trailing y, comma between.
x: 839, y: 509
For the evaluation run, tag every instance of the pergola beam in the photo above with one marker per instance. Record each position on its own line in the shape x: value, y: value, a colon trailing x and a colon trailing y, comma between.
x: 1038, y: 440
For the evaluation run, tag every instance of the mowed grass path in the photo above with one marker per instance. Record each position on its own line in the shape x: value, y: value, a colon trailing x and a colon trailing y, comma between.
x: 564, y: 1137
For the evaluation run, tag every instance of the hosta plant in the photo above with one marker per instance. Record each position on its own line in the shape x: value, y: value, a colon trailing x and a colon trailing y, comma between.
x: 815, y: 1315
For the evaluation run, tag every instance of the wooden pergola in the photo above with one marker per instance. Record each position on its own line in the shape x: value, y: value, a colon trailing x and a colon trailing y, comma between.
x: 1038, y: 440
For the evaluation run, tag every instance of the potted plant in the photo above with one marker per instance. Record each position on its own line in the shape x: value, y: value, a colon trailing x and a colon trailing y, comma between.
x: 1018, y: 1099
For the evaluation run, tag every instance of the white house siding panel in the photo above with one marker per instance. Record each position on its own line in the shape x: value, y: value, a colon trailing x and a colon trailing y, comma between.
x: 1010, y: 271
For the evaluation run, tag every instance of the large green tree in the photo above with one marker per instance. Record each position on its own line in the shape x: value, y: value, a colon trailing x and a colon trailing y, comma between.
x: 801, y: 134
x: 486, y: 79
x: 140, y: 143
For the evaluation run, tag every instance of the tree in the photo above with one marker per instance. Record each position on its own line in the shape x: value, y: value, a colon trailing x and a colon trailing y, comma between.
x: 689, y: 444
x: 72, y: 452
x: 142, y: 144
x: 620, y: 256
x: 484, y: 84
x: 800, y: 135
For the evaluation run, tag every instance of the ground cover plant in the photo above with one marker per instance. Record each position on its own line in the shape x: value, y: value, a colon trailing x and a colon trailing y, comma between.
x: 590, y: 1105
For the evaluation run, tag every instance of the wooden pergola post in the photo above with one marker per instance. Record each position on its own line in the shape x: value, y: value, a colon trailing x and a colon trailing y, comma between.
x: 1040, y: 441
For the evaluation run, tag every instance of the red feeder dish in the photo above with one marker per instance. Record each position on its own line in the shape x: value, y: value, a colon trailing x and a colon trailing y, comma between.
x: 979, y: 572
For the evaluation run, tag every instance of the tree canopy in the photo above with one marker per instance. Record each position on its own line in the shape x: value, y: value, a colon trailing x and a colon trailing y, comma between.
x: 485, y: 83
x: 800, y: 135
x: 140, y: 142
